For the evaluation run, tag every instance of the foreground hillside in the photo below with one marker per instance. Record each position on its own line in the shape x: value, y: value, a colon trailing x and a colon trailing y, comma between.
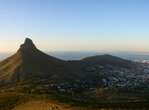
x: 17, y: 101
x: 40, y: 105
x: 48, y: 105
x: 30, y: 79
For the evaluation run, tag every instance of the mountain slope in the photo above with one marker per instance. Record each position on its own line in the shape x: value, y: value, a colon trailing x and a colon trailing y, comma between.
x: 30, y: 61
x: 92, y: 81
x: 109, y: 59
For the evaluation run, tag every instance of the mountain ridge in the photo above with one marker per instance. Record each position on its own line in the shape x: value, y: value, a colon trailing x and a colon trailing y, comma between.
x: 29, y: 61
x: 98, y: 81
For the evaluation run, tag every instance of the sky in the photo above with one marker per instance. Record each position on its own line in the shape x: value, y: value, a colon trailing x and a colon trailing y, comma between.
x: 75, y: 25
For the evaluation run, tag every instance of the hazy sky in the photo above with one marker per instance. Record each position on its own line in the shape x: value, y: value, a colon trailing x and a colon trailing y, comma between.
x: 74, y: 25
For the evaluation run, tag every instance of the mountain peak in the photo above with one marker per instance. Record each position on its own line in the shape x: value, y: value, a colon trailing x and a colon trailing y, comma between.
x: 28, y: 44
x: 28, y: 40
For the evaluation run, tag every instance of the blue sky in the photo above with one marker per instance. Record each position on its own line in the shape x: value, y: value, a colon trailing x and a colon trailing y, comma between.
x: 75, y: 25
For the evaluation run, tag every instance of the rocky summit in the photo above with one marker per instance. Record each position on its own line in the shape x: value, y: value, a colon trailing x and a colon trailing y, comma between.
x: 28, y: 44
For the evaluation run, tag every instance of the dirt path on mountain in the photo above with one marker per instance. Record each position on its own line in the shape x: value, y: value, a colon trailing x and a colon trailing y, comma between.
x: 44, y: 105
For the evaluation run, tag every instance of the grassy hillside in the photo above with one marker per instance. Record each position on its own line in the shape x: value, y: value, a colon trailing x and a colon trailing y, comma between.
x: 59, y: 101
